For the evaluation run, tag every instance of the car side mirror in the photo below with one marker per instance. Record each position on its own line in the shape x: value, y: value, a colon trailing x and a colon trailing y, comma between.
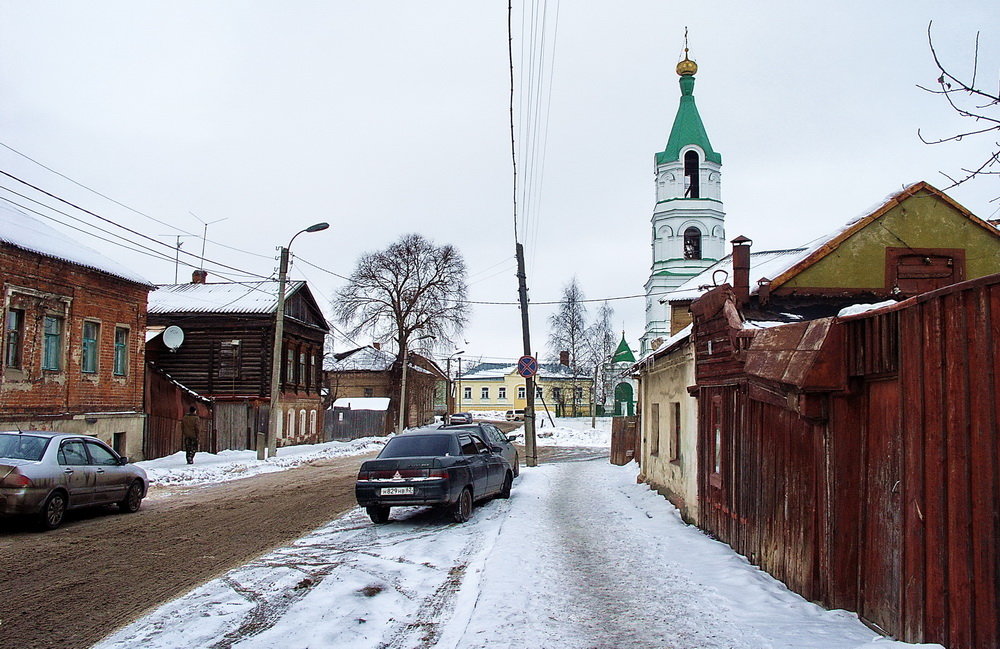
x: 512, y: 438
x: 497, y: 449
x: 123, y: 460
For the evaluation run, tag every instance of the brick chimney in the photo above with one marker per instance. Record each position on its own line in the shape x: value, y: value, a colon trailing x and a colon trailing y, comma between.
x: 199, y: 276
x: 564, y: 358
x: 741, y: 269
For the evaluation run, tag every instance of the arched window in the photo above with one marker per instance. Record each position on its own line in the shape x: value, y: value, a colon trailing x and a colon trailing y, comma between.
x: 691, y: 188
x: 692, y: 243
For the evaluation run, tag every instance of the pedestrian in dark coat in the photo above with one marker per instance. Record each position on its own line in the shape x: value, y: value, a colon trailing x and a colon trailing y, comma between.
x: 190, y: 429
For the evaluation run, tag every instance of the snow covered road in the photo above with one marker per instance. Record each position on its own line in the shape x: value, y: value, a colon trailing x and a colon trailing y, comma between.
x: 580, y: 557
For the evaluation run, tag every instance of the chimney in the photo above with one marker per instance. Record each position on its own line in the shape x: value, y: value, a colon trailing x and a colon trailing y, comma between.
x: 199, y: 276
x: 564, y: 358
x: 741, y: 269
x: 377, y: 345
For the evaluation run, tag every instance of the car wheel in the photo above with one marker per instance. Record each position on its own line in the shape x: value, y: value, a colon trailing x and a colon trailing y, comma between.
x: 508, y: 480
x: 379, y: 515
x: 133, y: 498
x: 53, y: 512
x: 461, y: 511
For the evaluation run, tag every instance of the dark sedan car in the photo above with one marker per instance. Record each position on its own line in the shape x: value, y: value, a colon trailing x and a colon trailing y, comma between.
x: 43, y: 474
x: 433, y: 466
x: 497, y: 440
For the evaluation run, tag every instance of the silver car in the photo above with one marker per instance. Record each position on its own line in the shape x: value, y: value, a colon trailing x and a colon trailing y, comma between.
x: 44, y: 474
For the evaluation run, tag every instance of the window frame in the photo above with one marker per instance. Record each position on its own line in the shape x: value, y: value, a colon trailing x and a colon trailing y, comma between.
x: 13, y: 339
x: 467, y: 393
x: 522, y: 392
x: 484, y: 393
x: 52, y: 343
x: 120, y: 362
x: 502, y: 392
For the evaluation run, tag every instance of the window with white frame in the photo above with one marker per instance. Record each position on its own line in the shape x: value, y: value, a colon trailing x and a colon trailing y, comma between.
x: 521, y: 392
x: 466, y: 392
x: 501, y: 392
x: 484, y: 394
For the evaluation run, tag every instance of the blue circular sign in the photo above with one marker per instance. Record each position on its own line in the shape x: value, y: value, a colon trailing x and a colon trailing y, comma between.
x: 527, y: 366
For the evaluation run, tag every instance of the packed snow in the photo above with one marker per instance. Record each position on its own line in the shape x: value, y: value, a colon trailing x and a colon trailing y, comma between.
x: 592, y: 572
x: 579, y: 556
x: 209, y: 468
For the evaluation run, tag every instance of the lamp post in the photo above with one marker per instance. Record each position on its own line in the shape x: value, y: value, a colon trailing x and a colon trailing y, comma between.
x: 279, y: 334
x: 402, y: 383
x: 450, y: 400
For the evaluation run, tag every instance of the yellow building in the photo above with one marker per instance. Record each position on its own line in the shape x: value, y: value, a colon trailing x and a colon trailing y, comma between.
x: 497, y: 387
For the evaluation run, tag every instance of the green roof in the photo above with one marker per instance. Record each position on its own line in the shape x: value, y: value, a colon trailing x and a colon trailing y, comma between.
x: 623, y: 354
x: 687, y: 128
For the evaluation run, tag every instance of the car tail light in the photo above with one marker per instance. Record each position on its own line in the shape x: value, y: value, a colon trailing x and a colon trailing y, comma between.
x: 440, y: 474
x: 363, y: 476
x: 15, y: 480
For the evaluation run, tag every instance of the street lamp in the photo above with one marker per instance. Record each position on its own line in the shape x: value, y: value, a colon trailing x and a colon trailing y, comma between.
x: 402, y: 382
x: 450, y: 400
x: 279, y: 334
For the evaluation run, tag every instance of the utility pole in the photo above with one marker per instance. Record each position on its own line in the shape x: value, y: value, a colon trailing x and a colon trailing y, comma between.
x: 529, y: 382
x: 458, y: 391
x: 279, y: 335
x: 402, y: 392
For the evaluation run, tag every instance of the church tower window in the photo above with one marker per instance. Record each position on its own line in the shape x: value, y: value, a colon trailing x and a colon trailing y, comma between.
x: 691, y: 188
x: 692, y: 243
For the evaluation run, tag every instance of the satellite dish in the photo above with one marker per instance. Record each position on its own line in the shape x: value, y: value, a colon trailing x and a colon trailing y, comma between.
x: 173, y: 337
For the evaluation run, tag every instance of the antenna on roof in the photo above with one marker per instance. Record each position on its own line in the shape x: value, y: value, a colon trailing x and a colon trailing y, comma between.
x: 204, y: 233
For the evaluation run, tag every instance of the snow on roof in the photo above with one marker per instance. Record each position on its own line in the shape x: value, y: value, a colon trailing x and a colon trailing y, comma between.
x: 500, y: 370
x: 28, y: 233
x: 362, y: 403
x: 855, y: 309
x: 365, y: 359
x: 225, y: 297
x: 765, y: 263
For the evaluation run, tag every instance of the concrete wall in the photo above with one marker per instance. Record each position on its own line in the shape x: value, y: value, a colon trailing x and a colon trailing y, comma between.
x: 101, y: 425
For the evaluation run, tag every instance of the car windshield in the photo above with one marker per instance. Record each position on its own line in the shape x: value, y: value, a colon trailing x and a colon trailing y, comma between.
x: 417, y: 446
x: 22, y: 447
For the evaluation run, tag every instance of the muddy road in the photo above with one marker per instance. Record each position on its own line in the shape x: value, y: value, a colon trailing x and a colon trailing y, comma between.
x: 72, y: 586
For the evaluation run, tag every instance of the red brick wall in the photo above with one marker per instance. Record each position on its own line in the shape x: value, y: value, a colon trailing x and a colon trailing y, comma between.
x: 39, y: 285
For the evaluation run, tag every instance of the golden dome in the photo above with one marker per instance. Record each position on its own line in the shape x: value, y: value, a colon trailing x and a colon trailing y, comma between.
x: 687, y: 67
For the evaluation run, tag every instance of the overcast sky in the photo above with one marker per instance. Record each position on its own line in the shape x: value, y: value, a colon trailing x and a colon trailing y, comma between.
x: 390, y: 117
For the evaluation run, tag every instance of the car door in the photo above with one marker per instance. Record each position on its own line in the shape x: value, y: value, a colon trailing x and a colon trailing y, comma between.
x: 76, y: 474
x: 497, y: 438
x: 496, y: 467
x: 477, y: 464
x: 110, y: 477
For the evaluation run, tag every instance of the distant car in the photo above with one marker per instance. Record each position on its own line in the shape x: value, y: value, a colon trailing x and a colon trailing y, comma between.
x: 44, y: 474
x: 460, y: 418
x: 433, y: 466
x: 514, y: 415
x: 500, y: 442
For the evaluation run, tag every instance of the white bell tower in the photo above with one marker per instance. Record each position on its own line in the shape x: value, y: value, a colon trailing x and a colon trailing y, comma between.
x: 688, y: 220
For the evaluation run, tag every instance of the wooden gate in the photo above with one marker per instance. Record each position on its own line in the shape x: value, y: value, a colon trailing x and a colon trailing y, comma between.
x: 624, y: 440
x: 233, y: 425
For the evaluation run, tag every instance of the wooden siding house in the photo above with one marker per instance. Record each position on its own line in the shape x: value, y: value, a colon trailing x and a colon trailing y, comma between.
x: 372, y: 372
x: 227, y: 352
x: 72, y: 355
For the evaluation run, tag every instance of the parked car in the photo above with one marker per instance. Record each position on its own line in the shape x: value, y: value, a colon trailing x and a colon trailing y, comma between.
x: 460, y: 418
x: 44, y: 474
x: 496, y: 439
x: 514, y: 415
x: 433, y: 466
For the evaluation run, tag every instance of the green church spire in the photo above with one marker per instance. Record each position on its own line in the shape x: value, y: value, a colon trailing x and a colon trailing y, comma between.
x: 623, y: 354
x: 687, y: 128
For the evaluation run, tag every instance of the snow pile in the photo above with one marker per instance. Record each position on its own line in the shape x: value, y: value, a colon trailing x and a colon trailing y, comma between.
x: 569, y: 431
x: 210, y: 468
x: 580, y: 556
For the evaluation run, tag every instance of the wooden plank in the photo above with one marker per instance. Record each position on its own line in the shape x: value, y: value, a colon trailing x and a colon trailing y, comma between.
x: 911, y: 376
x: 980, y: 378
x: 955, y: 404
x: 935, y: 457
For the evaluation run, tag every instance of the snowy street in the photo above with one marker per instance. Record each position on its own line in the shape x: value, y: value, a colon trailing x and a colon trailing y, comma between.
x: 580, y: 556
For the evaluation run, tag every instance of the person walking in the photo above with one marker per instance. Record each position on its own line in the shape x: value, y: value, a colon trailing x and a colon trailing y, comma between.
x: 190, y: 430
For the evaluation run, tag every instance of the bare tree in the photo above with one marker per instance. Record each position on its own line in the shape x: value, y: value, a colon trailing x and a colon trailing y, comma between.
x: 412, y: 286
x: 602, y: 344
x: 568, y: 332
x: 971, y: 101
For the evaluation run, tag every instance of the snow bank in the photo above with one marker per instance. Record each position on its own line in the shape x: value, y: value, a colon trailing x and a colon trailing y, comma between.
x: 569, y: 431
x: 210, y: 468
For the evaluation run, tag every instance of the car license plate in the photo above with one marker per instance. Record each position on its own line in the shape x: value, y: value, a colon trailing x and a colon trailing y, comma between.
x: 396, y: 491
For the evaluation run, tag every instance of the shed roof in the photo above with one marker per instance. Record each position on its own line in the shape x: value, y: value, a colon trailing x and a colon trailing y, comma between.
x: 28, y: 233
x: 223, y: 297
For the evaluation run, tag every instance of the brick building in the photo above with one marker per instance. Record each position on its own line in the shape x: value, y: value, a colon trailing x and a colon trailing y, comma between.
x: 73, y: 336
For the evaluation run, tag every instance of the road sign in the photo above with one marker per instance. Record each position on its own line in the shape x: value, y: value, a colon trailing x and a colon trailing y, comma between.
x: 527, y: 366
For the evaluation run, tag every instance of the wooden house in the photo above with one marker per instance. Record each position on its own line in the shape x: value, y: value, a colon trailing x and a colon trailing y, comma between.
x: 227, y: 351
x: 74, y: 319
x: 373, y: 372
